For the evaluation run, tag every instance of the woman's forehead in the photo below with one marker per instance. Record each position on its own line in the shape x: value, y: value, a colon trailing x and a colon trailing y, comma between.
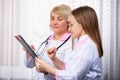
x: 55, y: 14
x: 70, y: 18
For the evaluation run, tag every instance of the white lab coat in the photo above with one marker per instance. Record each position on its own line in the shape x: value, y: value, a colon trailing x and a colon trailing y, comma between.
x: 65, y: 48
x: 83, y: 63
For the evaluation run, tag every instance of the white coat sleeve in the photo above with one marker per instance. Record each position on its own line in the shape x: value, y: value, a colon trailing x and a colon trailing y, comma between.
x: 29, y: 62
x: 77, y: 65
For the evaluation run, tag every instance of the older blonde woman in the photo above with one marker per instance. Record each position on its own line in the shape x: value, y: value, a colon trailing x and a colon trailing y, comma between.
x: 60, y: 39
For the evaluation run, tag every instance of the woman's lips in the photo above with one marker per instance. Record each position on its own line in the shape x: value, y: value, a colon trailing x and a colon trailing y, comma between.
x: 55, y: 26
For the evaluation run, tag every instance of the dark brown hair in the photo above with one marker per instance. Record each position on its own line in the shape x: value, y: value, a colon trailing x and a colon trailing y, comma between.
x: 86, y: 16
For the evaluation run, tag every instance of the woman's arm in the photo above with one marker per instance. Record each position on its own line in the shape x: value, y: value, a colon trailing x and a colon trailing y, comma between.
x: 77, y: 66
x: 43, y: 66
x: 29, y: 61
x: 57, y: 62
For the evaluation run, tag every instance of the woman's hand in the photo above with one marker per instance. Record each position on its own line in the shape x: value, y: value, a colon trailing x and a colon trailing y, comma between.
x: 37, y: 66
x: 38, y: 69
x: 43, y: 66
x: 52, y: 53
x: 28, y: 55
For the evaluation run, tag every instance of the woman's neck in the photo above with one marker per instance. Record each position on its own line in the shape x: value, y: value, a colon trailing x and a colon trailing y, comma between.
x: 58, y: 36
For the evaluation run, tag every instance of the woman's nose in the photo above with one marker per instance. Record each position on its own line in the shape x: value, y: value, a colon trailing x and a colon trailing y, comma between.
x: 69, y: 29
x: 55, y: 22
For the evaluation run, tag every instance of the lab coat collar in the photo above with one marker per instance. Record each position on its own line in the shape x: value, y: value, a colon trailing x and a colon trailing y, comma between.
x: 63, y: 38
x: 81, y: 41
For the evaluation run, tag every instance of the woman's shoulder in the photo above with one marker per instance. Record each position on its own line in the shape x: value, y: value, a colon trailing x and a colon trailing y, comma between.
x: 91, y: 48
x: 90, y: 43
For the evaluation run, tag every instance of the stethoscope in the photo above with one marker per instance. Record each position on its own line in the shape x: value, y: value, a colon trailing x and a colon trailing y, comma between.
x: 46, y: 43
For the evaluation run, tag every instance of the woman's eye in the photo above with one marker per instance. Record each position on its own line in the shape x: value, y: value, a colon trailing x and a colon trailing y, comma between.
x: 52, y: 18
x: 60, y: 19
x: 70, y: 25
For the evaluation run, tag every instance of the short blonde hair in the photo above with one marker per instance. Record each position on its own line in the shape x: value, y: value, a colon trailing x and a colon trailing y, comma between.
x: 62, y: 10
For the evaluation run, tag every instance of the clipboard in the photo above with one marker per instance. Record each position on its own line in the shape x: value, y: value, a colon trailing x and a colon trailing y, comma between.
x: 25, y: 45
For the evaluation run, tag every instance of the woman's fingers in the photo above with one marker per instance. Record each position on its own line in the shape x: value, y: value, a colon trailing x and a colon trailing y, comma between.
x: 37, y: 59
x: 51, y: 50
x: 28, y: 55
x: 52, y: 53
x: 32, y: 46
x: 37, y: 67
